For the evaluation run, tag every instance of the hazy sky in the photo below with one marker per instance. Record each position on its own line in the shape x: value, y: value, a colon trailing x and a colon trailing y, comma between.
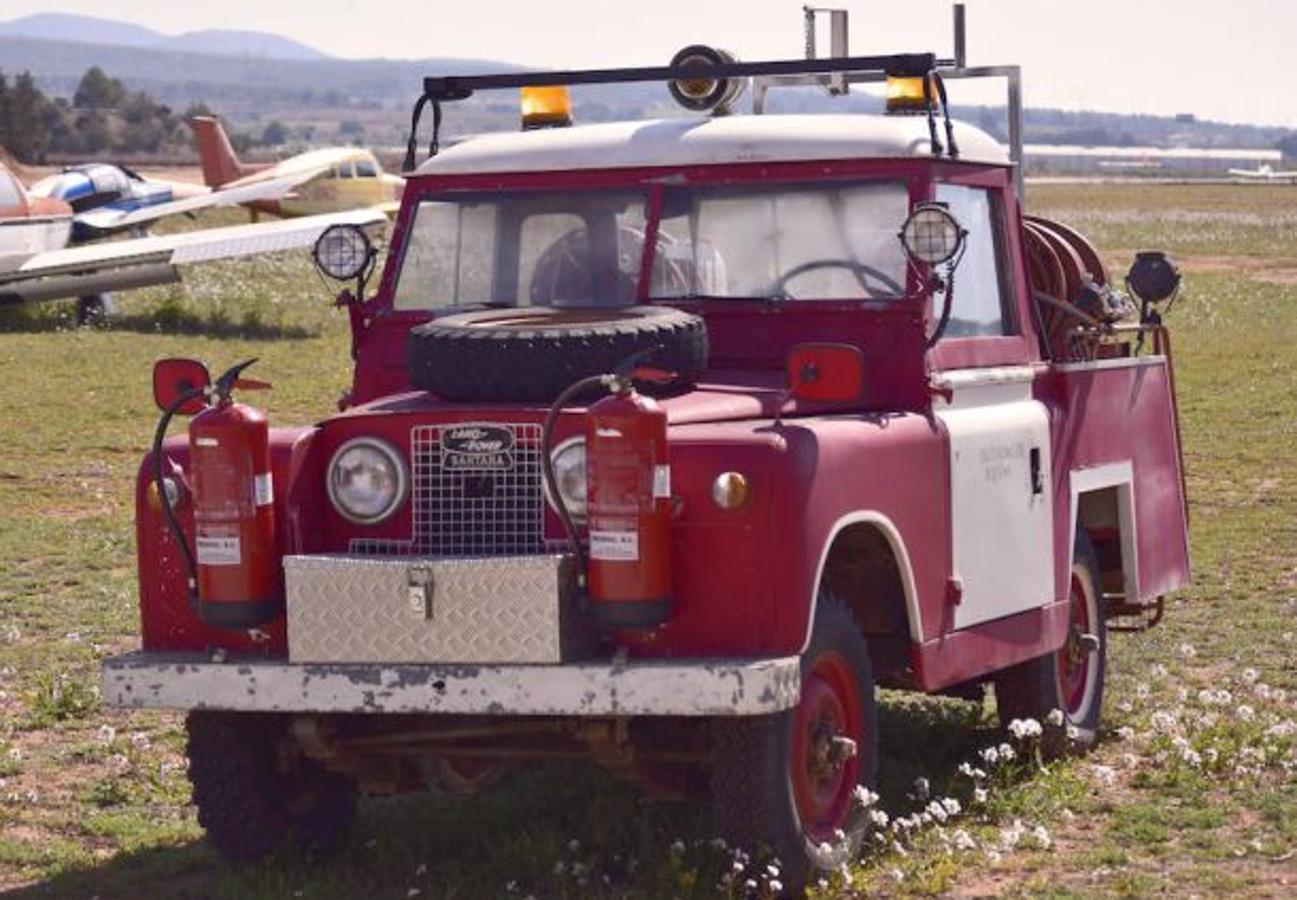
x: 1119, y: 55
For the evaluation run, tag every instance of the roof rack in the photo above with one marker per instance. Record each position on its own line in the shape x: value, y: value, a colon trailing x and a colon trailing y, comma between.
x: 835, y: 73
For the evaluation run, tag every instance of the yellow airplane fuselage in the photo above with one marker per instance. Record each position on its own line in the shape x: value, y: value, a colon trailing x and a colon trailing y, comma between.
x: 349, y: 179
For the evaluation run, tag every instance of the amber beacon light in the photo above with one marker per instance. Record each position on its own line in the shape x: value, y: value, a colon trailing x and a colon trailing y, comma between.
x: 546, y: 107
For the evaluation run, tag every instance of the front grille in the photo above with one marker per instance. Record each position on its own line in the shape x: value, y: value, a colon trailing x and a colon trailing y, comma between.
x: 471, y: 503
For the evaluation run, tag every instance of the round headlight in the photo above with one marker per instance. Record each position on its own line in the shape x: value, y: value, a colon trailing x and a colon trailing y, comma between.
x: 569, y: 475
x: 366, y: 480
x: 343, y: 251
x: 931, y: 234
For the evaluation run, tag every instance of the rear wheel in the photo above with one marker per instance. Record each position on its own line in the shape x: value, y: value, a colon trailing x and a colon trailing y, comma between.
x: 251, y: 796
x: 1070, y: 679
x: 788, y: 782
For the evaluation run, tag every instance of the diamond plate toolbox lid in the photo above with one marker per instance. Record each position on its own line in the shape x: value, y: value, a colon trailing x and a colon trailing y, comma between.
x: 502, y: 609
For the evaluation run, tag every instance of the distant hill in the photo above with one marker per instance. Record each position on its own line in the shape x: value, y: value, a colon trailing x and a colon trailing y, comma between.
x: 253, y: 78
x: 66, y: 27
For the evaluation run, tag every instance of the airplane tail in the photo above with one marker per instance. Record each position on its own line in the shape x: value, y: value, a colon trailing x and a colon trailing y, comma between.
x: 220, y: 164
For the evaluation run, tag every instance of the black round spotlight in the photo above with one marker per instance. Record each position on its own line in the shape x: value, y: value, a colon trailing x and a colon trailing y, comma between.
x: 702, y: 94
x: 1153, y: 277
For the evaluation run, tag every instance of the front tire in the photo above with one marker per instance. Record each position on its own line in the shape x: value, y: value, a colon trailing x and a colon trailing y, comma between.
x: 250, y: 796
x: 1070, y: 679
x: 783, y: 781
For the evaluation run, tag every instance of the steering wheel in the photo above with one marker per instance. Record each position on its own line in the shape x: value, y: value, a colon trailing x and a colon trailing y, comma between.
x: 779, y: 289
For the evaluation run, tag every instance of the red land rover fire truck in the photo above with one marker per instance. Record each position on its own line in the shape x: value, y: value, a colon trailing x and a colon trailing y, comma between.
x: 668, y: 442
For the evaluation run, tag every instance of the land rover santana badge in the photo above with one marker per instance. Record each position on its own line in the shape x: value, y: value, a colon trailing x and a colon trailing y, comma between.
x: 477, y: 448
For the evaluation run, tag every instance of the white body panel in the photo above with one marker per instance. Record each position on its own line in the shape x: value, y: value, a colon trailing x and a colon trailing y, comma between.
x: 715, y: 687
x: 703, y: 141
x: 1121, y: 476
x: 1002, y: 525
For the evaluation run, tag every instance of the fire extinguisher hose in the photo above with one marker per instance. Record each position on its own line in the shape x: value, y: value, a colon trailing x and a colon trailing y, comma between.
x: 173, y: 524
x: 547, y: 463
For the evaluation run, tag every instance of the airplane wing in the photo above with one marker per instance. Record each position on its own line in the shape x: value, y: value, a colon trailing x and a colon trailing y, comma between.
x: 105, y: 221
x: 139, y: 262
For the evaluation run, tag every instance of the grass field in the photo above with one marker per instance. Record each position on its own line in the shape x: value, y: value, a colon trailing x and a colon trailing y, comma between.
x: 1192, y: 790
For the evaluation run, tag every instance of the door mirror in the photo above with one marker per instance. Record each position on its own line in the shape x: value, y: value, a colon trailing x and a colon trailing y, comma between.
x: 175, y: 377
x: 827, y: 372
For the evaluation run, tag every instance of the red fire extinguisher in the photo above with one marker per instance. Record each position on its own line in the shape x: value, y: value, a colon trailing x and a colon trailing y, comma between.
x: 234, y: 567
x: 628, y: 505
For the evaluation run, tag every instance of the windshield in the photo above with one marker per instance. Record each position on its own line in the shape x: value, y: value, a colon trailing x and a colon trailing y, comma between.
x: 578, y: 248
x: 789, y: 242
x: 585, y: 248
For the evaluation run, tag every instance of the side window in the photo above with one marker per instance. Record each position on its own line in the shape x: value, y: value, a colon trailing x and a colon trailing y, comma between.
x: 982, y: 287
x: 365, y: 168
x: 342, y: 170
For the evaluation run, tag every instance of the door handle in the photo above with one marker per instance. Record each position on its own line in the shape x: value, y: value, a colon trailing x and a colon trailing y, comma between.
x: 1037, y: 476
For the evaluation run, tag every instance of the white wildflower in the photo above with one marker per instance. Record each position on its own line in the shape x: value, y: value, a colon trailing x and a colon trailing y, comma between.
x: 140, y: 740
x: 1187, y: 651
x: 1142, y: 691
x: 1055, y: 717
x: 937, y: 811
x: 865, y: 797
x: 962, y: 840
x: 952, y: 806
x: 574, y: 846
x: 106, y: 734
x: 1158, y: 671
x: 979, y: 795
x: 1129, y: 760
x: 993, y: 857
x: 1126, y: 733
x: 1022, y: 729
x: 1245, y: 713
x: 878, y: 818
x: 1105, y: 775
x: 1042, y: 838
x: 1007, y: 753
x: 990, y: 756
x: 776, y: 886
x: 921, y: 788
x: 1249, y: 675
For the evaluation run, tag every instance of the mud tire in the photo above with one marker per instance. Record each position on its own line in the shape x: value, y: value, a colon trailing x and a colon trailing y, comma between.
x: 249, y: 801
x: 1032, y: 690
x: 534, y: 353
x: 754, y: 801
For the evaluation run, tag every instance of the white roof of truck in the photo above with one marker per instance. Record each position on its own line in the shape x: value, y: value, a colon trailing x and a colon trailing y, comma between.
x: 702, y: 141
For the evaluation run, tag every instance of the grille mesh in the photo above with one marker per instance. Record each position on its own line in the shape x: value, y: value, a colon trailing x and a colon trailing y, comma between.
x: 472, y: 512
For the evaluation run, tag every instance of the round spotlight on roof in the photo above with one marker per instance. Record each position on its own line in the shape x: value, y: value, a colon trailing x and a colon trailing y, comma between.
x: 931, y: 235
x: 702, y: 94
x: 343, y: 252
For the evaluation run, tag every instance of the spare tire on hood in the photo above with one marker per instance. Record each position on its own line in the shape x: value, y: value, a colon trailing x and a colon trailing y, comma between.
x: 534, y: 353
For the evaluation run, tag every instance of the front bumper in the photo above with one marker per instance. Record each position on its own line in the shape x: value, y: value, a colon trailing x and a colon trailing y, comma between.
x: 715, y: 687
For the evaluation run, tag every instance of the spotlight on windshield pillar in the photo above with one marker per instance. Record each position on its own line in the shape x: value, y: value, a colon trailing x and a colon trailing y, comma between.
x: 546, y: 107
x: 702, y: 94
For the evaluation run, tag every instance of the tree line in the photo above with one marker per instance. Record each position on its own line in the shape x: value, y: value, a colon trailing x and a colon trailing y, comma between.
x: 101, y: 117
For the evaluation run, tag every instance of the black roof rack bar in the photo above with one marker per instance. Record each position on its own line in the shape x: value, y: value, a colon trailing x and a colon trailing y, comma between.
x: 458, y: 87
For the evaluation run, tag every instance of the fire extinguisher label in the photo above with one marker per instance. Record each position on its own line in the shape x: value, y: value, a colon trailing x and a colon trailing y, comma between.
x: 617, y: 546
x: 217, y: 549
x: 264, y: 489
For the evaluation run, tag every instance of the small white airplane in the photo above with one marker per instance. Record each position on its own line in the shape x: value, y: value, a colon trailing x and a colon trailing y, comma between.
x: 1264, y: 172
x: 37, y: 263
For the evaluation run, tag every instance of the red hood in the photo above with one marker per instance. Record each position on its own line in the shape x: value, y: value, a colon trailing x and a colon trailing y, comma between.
x: 720, y: 396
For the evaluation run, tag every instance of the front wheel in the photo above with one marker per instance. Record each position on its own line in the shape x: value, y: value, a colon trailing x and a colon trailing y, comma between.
x: 250, y: 795
x: 1070, y: 679
x: 788, y: 782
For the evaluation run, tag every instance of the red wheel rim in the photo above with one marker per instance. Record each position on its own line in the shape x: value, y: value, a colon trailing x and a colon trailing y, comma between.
x: 1074, y: 662
x: 823, y: 782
